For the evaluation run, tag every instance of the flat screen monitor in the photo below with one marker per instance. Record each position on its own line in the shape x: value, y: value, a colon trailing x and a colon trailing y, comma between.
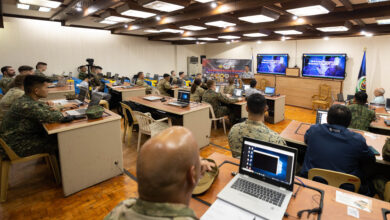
x: 324, y: 65
x: 272, y: 63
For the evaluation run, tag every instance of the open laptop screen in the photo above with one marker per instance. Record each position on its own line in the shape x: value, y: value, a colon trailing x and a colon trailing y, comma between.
x: 269, y: 90
x: 268, y: 162
x: 322, y: 117
x: 217, y: 88
x: 183, y: 96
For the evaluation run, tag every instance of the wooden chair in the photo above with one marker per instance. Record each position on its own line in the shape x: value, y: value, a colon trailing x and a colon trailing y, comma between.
x: 105, y: 104
x: 155, y: 91
x: 149, y: 126
x: 323, y: 99
x: 263, y: 84
x: 214, y: 119
x: 125, y: 109
x: 335, y: 178
x: 51, y: 160
x: 386, y: 195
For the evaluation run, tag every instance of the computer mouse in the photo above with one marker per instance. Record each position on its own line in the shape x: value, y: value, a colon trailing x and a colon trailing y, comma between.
x: 163, y: 100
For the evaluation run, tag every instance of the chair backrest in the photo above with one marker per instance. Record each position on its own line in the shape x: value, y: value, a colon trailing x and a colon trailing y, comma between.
x: 144, y: 120
x: 126, y: 108
x: 263, y: 83
x: 11, y: 154
x: 324, y: 91
x: 211, y: 110
x: 156, y: 92
x: 335, y: 178
x: 387, y: 192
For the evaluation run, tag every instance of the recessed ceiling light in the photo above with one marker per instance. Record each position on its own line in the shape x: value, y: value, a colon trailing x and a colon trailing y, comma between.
x: 375, y: 1
x: 193, y: 28
x: 119, y: 19
x: 158, y: 18
x: 309, y: 10
x: 152, y: 31
x: 288, y: 32
x: 43, y: 3
x: 367, y: 34
x: 137, y: 14
x: 383, y: 21
x: 163, y: 6
x: 23, y: 6
x: 295, y: 17
x: 229, y: 37
x: 333, y: 29
x: 255, y: 35
x: 188, y: 38
x: 208, y: 39
x: 108, y: 22
x: 257, y: 19
x: 204, y: 1
x: 258, y: 42
x: 126, y: 26
x: 170, y: 30
x: 300, y: 20
x: 213, y: 5
x: 202, y: 43
x: 222, y: 24
x: 44, y: 9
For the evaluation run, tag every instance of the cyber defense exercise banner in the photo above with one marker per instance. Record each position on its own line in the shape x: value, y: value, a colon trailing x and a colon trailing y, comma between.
x: 221, y: 69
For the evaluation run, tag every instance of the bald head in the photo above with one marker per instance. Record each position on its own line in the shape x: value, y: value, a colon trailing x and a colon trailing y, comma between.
x: 379, y: 92
x: 168, y: 167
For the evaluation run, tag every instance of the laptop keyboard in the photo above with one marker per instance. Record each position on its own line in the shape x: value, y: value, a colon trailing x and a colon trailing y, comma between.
x: 261, y: 192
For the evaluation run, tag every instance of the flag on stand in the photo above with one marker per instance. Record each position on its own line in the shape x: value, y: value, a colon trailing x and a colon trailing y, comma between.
x: 361, y: 84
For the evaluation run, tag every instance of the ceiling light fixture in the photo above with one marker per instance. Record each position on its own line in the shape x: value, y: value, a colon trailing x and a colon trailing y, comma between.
x: 42, y: 3
x: 204, y: 1
x: 326, y: 38
x: 227, y: 42
x: 79, y: 9
x: 295, y: 17
x: 158, y: 18
x: 300, y: 20
x: 258, y: 42
x: 23, y: 6
x: 213, y: 5
x: 170, y: 30
x: 221, y: 24
x: 163, y: 6
x: 137, y: 13
x: 383, y: 21
x: 229, y: 37
x: 192, y: 28
x: 188, y: 38
x: 152, y: 31
x: 288, y: 32
x: 119, y: 19
x: 44, y: 9
x: 108, y: 22
x: 265, y: 15
x: 126, y: 26
x: 333, y: 29
x: 309, y: 8
x: 255, y: 35
x: 207, y: 39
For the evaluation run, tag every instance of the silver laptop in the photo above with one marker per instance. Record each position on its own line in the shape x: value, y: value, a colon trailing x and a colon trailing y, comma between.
x: 264, y: 185
x: 322, y: 117
x: 183, y: 99
x: 152, y: 98
x: 237, y: 93
x: 269, y: 91
x: 96, y: 97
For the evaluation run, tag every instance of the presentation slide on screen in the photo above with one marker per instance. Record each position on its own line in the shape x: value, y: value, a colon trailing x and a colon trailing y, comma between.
x: 273, y: 64
x: 327, y: 66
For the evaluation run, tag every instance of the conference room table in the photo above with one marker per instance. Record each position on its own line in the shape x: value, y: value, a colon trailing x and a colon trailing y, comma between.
x: 195, y: 117
x: 59, y: 92
x: 127, y: 92
x: 88, y: 150
x: 305, y: 199
x: 296, y: 131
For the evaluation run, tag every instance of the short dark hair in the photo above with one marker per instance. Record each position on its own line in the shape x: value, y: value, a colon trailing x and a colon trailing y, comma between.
x: 32, y: 81
x: 361, y: 97
x: 5, y: 69
x: 248, y: 66
x: 98, y: 67
x: 339, y: 115
x: 166, y: 75
x: 253, y: 83
x: 40, y: 64
x: 199, y: 74
x: 181, y: 73
x: 256, y: 104
x: 25, y: 68
x: 172, y: 71
x: 231, y: 80
x: 18, y: 81
x: 210, y: 83
x: 139, y: 73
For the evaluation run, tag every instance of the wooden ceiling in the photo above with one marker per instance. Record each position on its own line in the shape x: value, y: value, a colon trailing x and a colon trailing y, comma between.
x: 357, y: 15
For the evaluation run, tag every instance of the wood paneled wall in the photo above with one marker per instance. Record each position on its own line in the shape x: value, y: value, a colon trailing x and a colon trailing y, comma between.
x: 299, y: 90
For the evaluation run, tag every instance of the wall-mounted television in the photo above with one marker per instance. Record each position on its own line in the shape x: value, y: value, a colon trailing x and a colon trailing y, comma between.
x: 330, y: 66
x: 272, y: 63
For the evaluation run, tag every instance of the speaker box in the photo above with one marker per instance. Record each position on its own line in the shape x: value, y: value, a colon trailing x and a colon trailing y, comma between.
x: 201, y: 58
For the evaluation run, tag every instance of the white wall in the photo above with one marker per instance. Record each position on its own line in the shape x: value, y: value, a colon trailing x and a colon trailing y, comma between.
x: 378, y: 56
x: 25, y: 42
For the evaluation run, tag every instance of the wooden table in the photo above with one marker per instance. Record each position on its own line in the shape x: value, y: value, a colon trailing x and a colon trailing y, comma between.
x: 195, y: 117
x: 88, y: 150
x: 296, y: 130
x: 275, y: 104
x: 59, y: 92
x: 379, y: 123
x: 127, y: 93
x: 304, y: 199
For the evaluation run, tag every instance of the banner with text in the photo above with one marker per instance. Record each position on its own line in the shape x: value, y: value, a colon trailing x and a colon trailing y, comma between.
x: 221, y: 69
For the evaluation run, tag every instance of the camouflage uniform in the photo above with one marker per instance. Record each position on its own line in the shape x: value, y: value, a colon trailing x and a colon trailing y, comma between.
x: 248, y: 75
x: 8, y: 99
x: 39, y: 73
x: 380, y: 181
x: 252, y: 129
x: 216, y: 99
x: 143, y: 210
x: 229, y: 89
x: 83, y: 75
x: 197, y: 95
x: 164, y: 86
x: 361, y: 117
x: 173, y: 80
x: 5, y: 83
x: 141, y: 82
x: 22, y: 127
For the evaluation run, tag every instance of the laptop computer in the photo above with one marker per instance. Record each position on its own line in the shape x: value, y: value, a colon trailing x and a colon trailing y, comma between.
x: 264, y: 184
x: 183, y: 99
x: 152, y: 98
x: 237, y: 93
x: 96, y: 97
x: 246, y: 87
x: 387, y: 105
x: 322, y: 117
x: 269, y: 91
x: 217, y: 88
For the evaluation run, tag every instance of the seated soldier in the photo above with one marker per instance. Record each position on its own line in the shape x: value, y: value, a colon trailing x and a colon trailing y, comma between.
x: 229, y: 89
x: 22, y: 126
x: 8, y: 74
x: 333, y: 146
x: 217, y: 99
x: 361, y: 115
x: 164, y: 185
x: 16, y: 91
x: 83, y: 72
x: 254, y: 127
x: 197, y: 91
x: 141, y: 82
x: 384, y: 176
x: 163, y: 86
